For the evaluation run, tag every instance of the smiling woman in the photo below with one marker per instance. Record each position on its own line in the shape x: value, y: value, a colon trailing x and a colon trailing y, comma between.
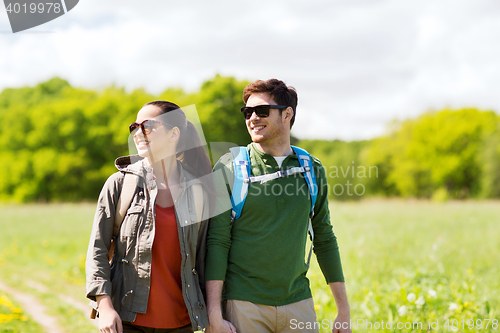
x: 145, y: 283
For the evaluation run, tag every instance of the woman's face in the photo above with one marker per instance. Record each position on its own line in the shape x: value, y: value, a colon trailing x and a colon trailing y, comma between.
x: 158, y: 144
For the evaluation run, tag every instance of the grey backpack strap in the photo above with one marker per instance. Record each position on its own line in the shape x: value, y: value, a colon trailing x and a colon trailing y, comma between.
x: 311, y: 232
x: 128, y: 189
x: 198, y: 202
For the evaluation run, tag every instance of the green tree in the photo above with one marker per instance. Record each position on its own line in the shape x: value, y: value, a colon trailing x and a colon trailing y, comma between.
x: 436, y: 151
x: 61, y: 141
x: 346, y: 171
x: 218, y: 103
x: 490, y: 163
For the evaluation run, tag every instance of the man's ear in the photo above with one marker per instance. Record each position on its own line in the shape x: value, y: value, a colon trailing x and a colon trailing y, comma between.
x: 288, y: 112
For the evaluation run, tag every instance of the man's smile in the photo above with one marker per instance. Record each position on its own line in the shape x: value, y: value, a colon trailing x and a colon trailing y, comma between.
x: 257, y: 128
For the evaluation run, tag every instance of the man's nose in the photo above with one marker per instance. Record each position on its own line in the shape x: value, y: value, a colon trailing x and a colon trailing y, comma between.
x: 254, y: 116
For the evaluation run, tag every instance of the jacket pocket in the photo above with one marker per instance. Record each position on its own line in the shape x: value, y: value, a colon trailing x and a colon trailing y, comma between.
x: 127, y: 300
x: 131, y: 221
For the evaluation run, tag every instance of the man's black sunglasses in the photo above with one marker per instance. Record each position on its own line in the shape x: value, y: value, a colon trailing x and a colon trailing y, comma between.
x: 261, y: 111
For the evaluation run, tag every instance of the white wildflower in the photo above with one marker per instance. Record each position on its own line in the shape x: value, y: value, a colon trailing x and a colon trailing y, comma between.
x: 420, y: 300
x: 411, y: 297
x: 453, y: 306
x: 402, y: 310
x: 432, y: 293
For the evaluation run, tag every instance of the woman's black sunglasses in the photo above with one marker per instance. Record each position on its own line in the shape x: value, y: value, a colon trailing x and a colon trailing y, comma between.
x: 146, y: 126
x: 261, y: 111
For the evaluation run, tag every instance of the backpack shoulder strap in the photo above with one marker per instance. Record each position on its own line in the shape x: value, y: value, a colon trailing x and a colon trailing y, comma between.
x: 130, y: 182
x: 306, y: 162
x: 198, y: 202
x: 242, y: 172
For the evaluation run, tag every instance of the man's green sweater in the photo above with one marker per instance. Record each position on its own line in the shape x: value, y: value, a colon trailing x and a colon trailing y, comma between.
x: 261, y: 256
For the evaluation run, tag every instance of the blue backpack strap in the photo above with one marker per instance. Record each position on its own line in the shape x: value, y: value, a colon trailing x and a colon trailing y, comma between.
x: 242, y: 171
x: 306, y: 162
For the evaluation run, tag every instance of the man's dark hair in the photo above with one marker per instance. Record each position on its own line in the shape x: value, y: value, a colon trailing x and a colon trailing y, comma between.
x: 278, y: 91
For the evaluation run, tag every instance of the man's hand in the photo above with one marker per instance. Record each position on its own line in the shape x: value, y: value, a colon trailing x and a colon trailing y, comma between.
x: 109, y: 320
x: 342, y: 322
x: 217, y: 323
x: 220, y: 326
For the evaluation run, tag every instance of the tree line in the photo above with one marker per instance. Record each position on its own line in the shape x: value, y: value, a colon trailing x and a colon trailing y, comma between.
x: 58, y: 143
x: 442, y: 154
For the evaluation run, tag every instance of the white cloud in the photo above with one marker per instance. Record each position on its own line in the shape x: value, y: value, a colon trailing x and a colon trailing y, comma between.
x: 356, y: 64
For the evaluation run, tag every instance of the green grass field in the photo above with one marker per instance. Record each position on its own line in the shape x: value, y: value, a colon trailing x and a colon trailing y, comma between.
x: 404, y: 262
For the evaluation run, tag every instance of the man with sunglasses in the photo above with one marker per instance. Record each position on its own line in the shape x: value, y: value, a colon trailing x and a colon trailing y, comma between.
x: 256, y: 264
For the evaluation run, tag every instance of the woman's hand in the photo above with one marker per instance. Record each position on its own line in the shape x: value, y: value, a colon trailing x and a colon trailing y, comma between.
x: 109, y: 320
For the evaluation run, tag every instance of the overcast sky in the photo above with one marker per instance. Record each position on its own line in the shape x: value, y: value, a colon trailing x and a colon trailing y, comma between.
x: 356, y: 64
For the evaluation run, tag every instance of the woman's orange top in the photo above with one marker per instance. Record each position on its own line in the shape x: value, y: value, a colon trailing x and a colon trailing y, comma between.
x: 166, y: 307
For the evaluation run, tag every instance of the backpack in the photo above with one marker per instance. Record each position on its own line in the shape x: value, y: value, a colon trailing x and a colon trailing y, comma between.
x: 242, y: 178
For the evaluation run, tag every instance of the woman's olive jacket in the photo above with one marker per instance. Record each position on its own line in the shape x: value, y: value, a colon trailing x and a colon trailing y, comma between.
x: 127, y: 279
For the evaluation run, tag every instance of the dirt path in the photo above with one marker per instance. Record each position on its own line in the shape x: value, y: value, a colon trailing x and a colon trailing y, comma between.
x: 35, y: 309
x: 84, y: 308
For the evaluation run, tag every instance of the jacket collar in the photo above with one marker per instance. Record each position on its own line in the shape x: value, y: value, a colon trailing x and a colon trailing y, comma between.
x: 132, y: 164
